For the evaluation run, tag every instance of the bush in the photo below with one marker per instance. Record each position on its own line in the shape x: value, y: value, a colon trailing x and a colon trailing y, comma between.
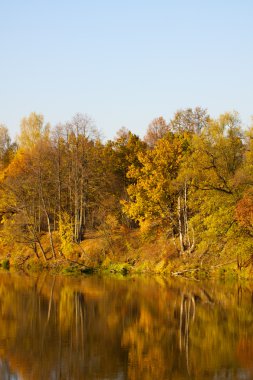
x: 6, y: 264
x: 66, y: 234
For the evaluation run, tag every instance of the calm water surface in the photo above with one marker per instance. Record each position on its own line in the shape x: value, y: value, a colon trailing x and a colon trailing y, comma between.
x: 131, y: 328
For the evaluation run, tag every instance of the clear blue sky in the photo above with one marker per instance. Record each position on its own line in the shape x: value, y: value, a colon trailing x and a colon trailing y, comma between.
x: 124, y: 62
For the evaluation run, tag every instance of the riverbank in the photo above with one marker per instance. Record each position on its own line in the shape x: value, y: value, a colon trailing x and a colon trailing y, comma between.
x: 122, y: 252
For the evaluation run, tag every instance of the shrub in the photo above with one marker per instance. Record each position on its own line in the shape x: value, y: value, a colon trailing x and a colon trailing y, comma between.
x: 6, y: 264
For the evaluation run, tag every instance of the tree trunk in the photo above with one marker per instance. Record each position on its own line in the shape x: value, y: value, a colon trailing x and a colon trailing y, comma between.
x: 180, y: 229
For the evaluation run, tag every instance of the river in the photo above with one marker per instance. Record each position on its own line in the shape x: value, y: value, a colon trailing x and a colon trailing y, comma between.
x: 138, y: 328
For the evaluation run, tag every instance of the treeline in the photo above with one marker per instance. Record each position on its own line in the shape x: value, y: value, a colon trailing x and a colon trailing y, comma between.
x: 189, y: 179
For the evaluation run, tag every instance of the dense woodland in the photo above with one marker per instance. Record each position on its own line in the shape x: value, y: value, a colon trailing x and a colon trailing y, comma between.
x: 186, y: 187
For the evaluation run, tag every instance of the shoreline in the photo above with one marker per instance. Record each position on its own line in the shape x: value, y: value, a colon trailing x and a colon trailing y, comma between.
x: 124, y: 253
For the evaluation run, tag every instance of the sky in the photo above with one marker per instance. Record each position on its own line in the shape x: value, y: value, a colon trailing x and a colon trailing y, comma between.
x: 124, y: 63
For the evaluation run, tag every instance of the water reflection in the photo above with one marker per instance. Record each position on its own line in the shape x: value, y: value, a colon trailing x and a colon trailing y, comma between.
x: 132, y: 328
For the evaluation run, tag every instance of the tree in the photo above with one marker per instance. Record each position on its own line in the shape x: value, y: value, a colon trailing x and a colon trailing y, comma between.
x: 217, y: 154
x: 82, y: 174
x: 29, y: 183
x: 154, y: 192
x: 244, y: 211
x: 157, y: 129
x: 32, y: 129
x: 124, y: 153
x: 212, y: 171
x: 20, y: 203
x: 120, y: 154
x: 7, y: 149
x: 189, y: 120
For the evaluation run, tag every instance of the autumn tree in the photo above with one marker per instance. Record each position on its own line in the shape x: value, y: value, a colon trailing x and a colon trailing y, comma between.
x: 157, y: 129
x: 124, y: 153
x: 212, y: 170
x: 244, y: 207
x: 29, y: 182
x: 32, y: 128
x: 189, y: 120
x: 154, y: 192
x: 82, y: 174
x: 217, y: 154
x: 7, y: 148
x: 120, y: 154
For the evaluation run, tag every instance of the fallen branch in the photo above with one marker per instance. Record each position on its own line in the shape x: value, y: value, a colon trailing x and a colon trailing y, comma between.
x: 223, y: 264
x: 184, y: 271
x: 179, y: 273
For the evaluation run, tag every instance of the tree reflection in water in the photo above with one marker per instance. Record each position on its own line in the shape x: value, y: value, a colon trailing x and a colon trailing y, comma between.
x: 130, y: 328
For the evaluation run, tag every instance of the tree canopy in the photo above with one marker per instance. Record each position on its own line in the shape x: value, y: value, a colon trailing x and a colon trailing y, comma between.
x: 190, y: 177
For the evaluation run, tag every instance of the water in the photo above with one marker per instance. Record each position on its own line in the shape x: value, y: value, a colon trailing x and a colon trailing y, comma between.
x: 54, y: 328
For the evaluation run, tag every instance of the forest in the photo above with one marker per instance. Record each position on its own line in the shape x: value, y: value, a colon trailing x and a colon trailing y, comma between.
x: 179, y: 200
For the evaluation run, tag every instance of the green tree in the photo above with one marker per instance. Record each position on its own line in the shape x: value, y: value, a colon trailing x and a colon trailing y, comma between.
x: 212, y: 170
